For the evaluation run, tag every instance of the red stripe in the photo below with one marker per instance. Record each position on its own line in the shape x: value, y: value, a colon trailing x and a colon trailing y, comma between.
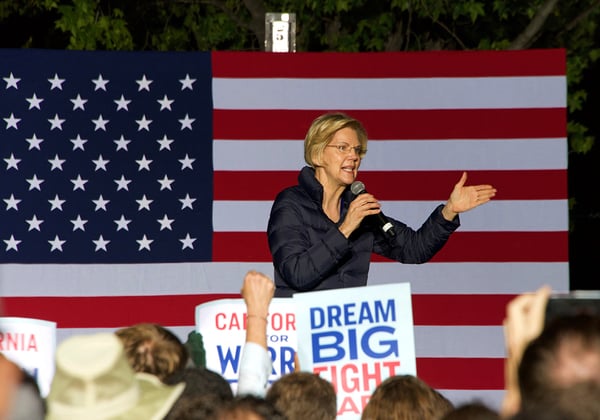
x: 459, y: 309
x: 548, y: 62
x: 462, y: 373
x: 462, y: 247
x: 179, y: 310
x: 511, y: 185
x: 505, y: 247
x: 410, y: 124
x: 109, y: 311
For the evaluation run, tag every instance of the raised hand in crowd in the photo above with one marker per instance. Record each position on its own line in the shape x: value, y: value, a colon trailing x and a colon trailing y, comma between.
x: 524, y: 322
x: 257, y: 291
x: 256, y: 365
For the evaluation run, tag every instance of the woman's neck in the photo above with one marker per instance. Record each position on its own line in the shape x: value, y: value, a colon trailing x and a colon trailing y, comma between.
x: 331, y: 202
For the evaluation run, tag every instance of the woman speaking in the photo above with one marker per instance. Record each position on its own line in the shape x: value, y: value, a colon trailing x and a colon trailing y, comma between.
x: 322, y: 231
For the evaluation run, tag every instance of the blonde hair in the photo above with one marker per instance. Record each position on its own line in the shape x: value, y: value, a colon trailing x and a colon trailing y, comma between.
x: 322, y: 130
x: 406, y: 397
x: 303, y: 395
x: 154, y: 349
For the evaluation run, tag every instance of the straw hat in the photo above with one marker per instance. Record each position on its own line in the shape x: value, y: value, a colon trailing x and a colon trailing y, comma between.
x: 93, y: 380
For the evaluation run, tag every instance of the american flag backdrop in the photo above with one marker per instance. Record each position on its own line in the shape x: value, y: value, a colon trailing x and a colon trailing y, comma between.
x: 136, y: 185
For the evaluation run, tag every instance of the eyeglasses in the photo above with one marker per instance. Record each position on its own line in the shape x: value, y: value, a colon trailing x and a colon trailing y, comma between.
x: 345, y: 148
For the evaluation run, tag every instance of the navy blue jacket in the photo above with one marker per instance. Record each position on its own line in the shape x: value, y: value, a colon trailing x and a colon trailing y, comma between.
x: 310, y: 253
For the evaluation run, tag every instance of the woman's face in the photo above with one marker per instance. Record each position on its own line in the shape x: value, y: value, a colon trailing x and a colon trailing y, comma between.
x: 340, y: 159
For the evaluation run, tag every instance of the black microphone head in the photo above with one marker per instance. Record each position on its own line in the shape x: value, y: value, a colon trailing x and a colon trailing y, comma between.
x: 357, y: 187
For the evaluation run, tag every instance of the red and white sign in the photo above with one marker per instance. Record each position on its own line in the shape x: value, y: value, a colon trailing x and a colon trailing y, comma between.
x: 222, y: 324
x: 355, y: 338
x: 31, y: 343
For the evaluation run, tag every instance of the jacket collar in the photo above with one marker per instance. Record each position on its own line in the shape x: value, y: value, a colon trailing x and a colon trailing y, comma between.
x: 308, y: 181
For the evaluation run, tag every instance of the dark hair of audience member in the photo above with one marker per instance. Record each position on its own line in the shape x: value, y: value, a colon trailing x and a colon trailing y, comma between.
x: 20, y: 396
x: 580, y: 401
x: 205, y: 391
x: 303, y: 395
x: 567, y: 352
x: 406, y: 397
x: 249, y: 407
x: 196, y: 406
x: 474, y: 410
x: 154, y: 349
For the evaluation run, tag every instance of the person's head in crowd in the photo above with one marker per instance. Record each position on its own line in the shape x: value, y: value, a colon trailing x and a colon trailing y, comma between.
x: 580, y: 401
x: 93, y: 380
x: 249, y: 407
x: 28, y: 402
x: 406, y: 397
x: 205, y: 391
x: 567, y: 352
x: 20, y: 397
x: 303, y: 395
x: 474, y: 410
x: 196, y: 406
x: 10, y: 377
x: 154, y: 349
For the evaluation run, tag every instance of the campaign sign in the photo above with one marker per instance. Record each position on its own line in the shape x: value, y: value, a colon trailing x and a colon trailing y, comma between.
x: 356, y: 338
x: 30, y: 343
x: 222, y: 324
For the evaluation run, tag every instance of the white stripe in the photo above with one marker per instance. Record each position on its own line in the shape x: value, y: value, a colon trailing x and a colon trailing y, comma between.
x: 475, y: 341
x: 406, y: 155
x: 473, y: 278
x: 467, y: 154
x: 496, y: 216
x: 22, y: 280
x: 390, y: 93
x: 124, y: 279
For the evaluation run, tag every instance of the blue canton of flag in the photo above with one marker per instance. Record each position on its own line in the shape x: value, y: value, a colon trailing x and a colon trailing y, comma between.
x: 107, y: 157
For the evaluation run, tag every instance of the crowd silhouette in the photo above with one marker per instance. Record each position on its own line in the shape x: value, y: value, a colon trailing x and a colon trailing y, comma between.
x: 144, y: 371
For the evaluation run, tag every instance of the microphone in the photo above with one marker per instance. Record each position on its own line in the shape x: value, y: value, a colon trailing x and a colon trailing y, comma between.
x: 384, y: 224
